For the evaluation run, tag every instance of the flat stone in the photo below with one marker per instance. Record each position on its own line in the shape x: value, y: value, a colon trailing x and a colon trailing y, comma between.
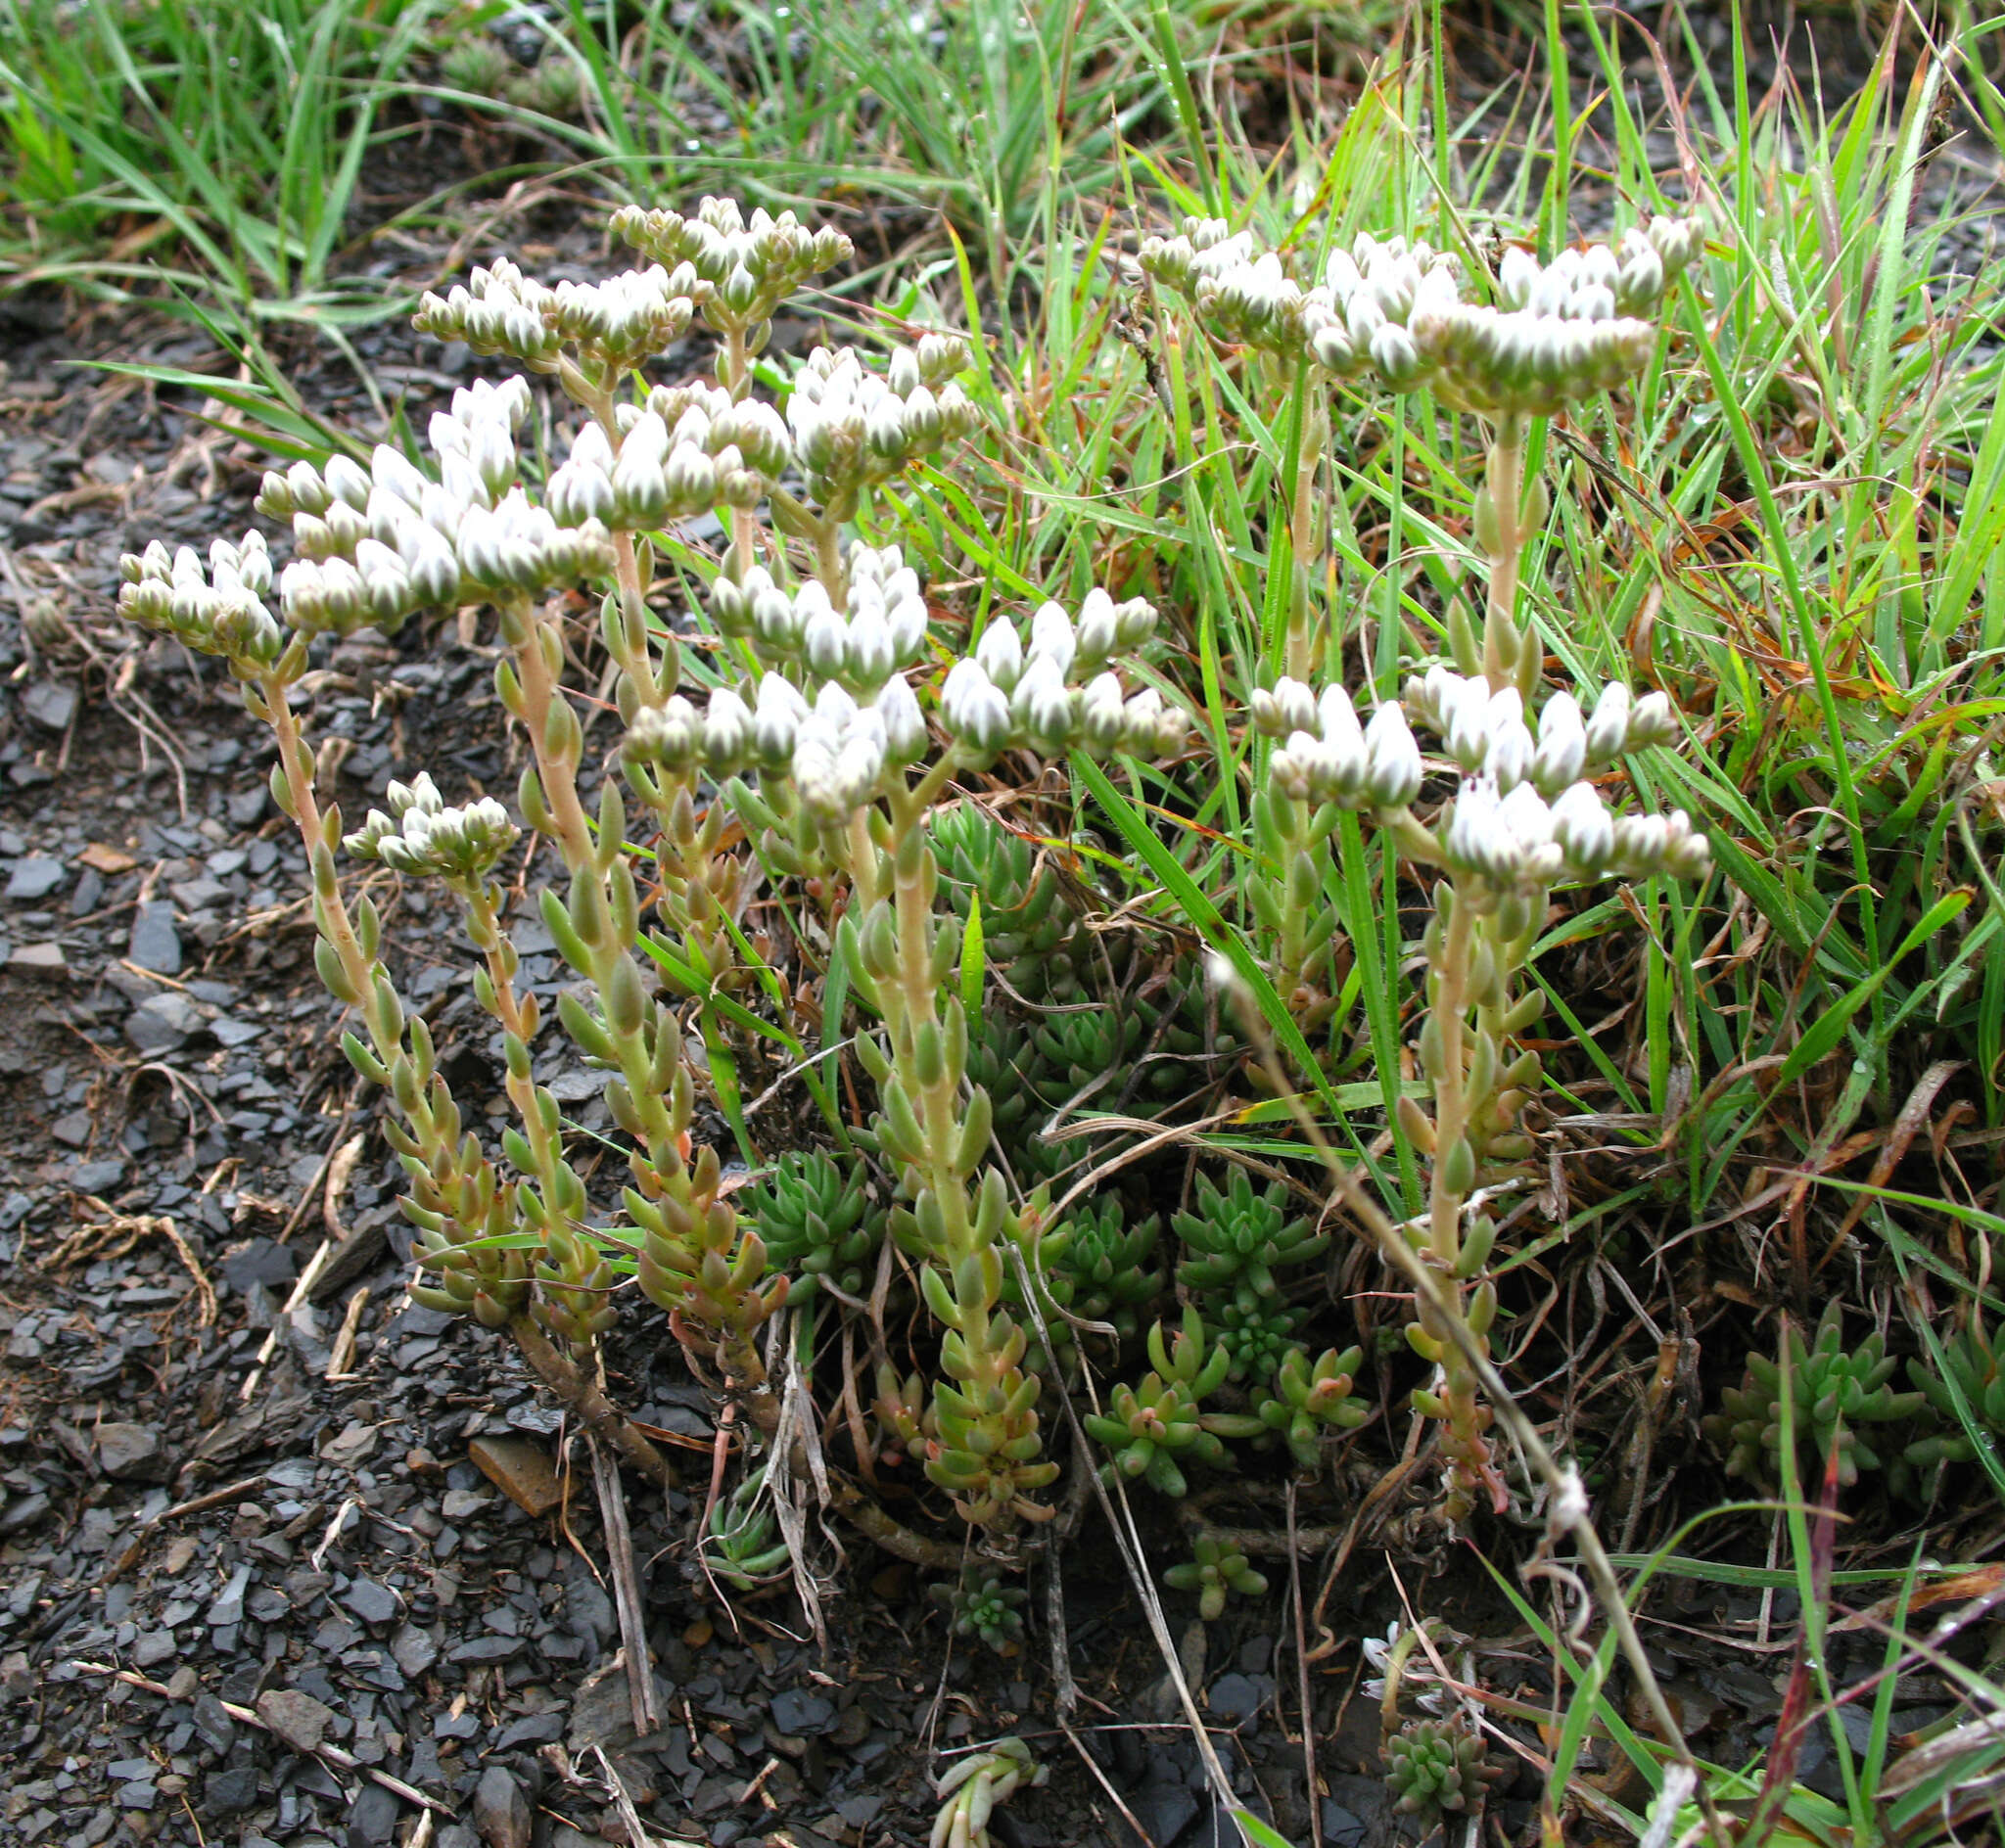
x: 227, y: 1608
x: 154, y: 1647
x: 798, y: 1712
x: 373, y: 1818
x: 501, y: 1811
x: 413, y: 1650
x: 130, y: 1452
x: 49, y: 702
x: 71, y: 1128
x: 487, y: 1650
x: 1163, y: 1810
x: 373, y: 1603
x: 108, y: 861
x: 533, y: 1729
x: 154, y: 943
x: 230, y: 1792
x: 521, y: 1469
x: 1236, y: 1697
x: 36, y: 878
x: 43, y: 959
x: 162, y: 1022
x: 265, y: 1262
x: 297, y: 1719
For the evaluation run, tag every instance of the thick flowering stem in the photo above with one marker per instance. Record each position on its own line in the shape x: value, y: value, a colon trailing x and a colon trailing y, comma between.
x: 982, y: 1438
x: 531, y: 687
x: 1508, y: 509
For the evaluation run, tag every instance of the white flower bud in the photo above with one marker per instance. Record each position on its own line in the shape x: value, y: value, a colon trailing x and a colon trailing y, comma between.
x: 1608, y: 732
x: 974, y: 707
x: 824, y: 639
x: 870, y: 660
x: 1000, y: 653
x: 726, y: 732
x: 1288, y: 707
x: 347, y: 481
x: 1562, y: 752
x: 1052, y: 638
x: 1042, y: 704
x: 904, y: 724
x: 1102, y: 713
x: 1392, y: 760
x: 1098, y: 628
x: 1640, y: 842
x: 1466, y: 726
x: 1508, y: 758
x: 776, y: 720
x: 1583, y: 828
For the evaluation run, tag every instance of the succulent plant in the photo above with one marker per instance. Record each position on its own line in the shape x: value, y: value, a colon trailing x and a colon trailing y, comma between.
x: 740, y: 1547
x: 1258, y: 1333
x: 1239, y: 1239
x: 1305, y: 1401
x: 1085, y: 1052
x: 1433, y: 1766
x: 1217, y: 1570
x: 1103, y: 1264
x: 811, y: 1211
x: 970, y: 1788
x: 1093, y: 1265
x: 1976, y: 1366
x: 984, y: 1605
x: 1830, y: 1393
x: 999, y: 1060
x: 1150, y: 1427
x: 1029, y: 922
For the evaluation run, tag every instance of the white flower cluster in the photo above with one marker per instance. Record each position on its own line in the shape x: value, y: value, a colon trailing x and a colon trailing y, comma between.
x: 218, y: 610
x: 666, y: 467
x: 1329, y: 756
x: 880, y: 634
x: 1006, y: 695
x: 750, y: 266
x: 854, y: 428
x: 625, y: 319
x: 1525, y: 814
x: 1520, y: 841
x: 1485, y: 733
x: 375, y: 545
x: 421, y: 836
x: 1602, y: 281
x: 1395, y: 310
x: 837, y: 749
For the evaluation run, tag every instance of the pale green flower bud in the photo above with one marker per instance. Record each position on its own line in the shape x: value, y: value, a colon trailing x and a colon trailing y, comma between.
x: 1392, y: 760
x: 1608, y: 732
x: 1562, y: 752
x: 1001, y: 653
x: 347, y: 481
x: 1650, y: 722
x: 904, y: 724
x: 1583, y: 829
x: 974, y: 709
x: 1288, y: 707
x: 671, y: 735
